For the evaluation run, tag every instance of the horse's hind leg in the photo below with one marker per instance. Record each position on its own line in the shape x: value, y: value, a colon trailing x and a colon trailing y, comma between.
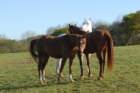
x: 41, y: 68
x: 100, y: 58
x: 104, y: 56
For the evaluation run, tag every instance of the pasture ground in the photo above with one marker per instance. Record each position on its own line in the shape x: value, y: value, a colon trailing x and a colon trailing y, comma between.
x: 18, y: 74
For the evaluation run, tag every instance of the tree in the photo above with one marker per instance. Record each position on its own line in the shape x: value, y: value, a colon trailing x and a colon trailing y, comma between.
x: 132, y: 23
x: 2, y: 37
x: 28, y: 34
x: 57, y: 30
x: 125, y: 29
x: 60, y: 31
x: 118, y: 33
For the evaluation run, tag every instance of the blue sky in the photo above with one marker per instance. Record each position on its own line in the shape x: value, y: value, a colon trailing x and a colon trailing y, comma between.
x: 19, y: 16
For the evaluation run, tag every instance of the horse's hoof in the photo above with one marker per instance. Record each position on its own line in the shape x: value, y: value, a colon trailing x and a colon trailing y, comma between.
x: 58, y: 81
x: 72, y: 81
x: 89, y: 76
x: 100, y: 78
x: 61, y: 76
x: 45, y: 81
x: 42, y: 83
x: 82, y: 77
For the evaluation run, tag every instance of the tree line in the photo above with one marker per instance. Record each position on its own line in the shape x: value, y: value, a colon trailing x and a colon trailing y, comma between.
x: 124, y: 32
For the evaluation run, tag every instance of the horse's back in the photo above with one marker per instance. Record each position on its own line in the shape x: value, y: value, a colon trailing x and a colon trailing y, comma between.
x: 57, y: 46
x: 97, y: 39
x: 53, y: 46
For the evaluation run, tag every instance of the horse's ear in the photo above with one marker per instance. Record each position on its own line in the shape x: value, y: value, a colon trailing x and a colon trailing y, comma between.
x: 70, y: 25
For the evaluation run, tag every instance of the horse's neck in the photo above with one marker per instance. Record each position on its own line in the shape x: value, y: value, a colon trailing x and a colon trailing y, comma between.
x: 48, y: 36
x: 61, y: 35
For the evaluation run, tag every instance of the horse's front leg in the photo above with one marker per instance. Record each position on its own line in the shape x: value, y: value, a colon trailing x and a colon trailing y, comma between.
x: 70, y: 69
x: 80, y: 56
x: 58, y: 66
x: 104, y: 58
x: 88, y: 65
x: 61, y: 68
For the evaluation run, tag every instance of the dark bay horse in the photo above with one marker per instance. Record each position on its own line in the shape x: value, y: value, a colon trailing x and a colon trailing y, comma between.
x: 99, y: 42
x: 58, y: 47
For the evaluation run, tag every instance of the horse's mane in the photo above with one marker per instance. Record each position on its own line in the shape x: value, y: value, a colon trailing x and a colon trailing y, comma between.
x: 48, y: 36
x: 101, y: 28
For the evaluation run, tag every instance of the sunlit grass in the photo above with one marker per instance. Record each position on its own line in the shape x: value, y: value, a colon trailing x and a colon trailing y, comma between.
x: 18, y: 74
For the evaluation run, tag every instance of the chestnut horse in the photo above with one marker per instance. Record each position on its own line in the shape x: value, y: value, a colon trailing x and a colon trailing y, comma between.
x: 99, y: 42
x: 58, y: 47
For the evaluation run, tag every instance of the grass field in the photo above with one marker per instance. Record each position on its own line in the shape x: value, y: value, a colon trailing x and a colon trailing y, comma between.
x: 18, y: 74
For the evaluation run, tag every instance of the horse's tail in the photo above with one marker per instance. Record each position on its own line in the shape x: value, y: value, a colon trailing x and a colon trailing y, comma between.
x: 110, y: 52
x: 33, y: 51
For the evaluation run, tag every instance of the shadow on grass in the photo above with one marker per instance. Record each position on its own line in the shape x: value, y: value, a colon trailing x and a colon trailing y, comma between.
x: 34, y: 85
x: 11, y: 87
x: 51, y: 82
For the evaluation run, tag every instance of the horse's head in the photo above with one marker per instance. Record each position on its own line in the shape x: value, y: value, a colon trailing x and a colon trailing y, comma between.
x: 77, y: 42
x: 82, y: 43
x: 73, y: 29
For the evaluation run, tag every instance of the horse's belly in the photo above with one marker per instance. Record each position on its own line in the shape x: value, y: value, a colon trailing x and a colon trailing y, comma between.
x: 55, y: 55
x: 89, y: 49
x: 56, y: 51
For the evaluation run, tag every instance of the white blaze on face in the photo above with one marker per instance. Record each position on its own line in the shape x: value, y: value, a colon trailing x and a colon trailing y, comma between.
x: 87, y: 26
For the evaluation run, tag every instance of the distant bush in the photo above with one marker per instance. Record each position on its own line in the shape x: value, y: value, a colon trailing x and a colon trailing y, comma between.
x: 59, y: 31
x: 7, y: 45
x: 127, y: 29
x: 124, y: 32
x: 135, y: 40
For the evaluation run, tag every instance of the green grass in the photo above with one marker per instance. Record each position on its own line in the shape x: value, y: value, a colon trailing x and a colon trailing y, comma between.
x: 18, y: 74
